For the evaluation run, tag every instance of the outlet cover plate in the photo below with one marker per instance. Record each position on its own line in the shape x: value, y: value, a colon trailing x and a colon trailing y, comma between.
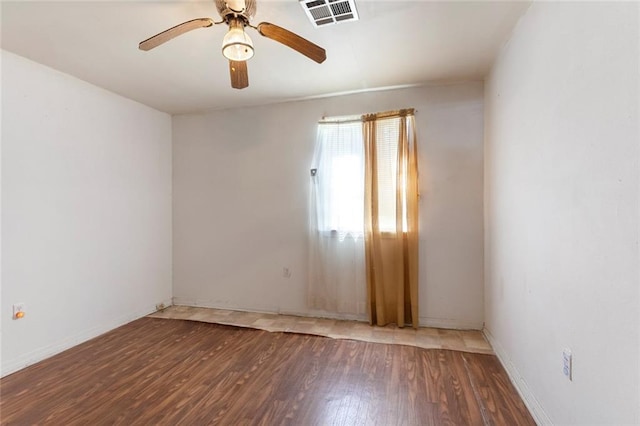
x: 18, y: 307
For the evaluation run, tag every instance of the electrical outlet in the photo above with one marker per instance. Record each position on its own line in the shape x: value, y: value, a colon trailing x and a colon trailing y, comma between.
x: 567, y: 363
x: 18, y: 310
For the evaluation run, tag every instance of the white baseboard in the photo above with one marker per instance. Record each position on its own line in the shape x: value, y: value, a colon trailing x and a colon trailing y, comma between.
x: 196, y: 303
x: 450, y: 323
x: 328, y: 315
x: 48, y: 351
x: 534, y: 406
x: 266, y: 310
x: 424, y: 321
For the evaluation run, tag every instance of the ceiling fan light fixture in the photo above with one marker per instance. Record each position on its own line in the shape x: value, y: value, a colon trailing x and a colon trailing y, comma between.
x: 237, y: 45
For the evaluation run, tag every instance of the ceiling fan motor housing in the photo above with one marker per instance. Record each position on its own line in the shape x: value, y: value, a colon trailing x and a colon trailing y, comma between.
x: 243, y: 9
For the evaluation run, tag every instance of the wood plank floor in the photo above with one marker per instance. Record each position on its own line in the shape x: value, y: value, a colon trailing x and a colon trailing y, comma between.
x: 155, y: 371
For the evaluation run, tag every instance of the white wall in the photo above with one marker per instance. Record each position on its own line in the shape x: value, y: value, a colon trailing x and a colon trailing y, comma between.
x: 86, y: 219
x: 561, y: 182
x: 240, y: 205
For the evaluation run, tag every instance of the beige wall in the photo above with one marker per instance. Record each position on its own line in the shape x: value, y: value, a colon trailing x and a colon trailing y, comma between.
x: 561, y: 173
x: 86, y: 210
x: 240, y: 201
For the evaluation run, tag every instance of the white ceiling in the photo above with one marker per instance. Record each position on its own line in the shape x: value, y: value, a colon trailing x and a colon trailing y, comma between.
x: 395, y: 43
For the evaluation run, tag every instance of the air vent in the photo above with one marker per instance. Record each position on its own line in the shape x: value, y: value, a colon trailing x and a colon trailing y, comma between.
x: 327, y: 12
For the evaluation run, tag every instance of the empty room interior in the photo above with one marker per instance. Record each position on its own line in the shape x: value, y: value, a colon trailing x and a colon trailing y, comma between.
x: 320, y: 212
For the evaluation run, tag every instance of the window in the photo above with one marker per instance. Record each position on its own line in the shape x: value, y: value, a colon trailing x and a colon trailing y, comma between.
x: 339, y: 164
x: 339, y: 179
x: 365, y: 184
x: 387, y: 133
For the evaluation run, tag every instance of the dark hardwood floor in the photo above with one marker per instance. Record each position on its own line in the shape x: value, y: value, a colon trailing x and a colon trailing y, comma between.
x: 156, y: 371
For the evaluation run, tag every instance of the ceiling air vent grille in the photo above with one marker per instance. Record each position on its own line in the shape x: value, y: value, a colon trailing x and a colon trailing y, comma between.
x: 326, y: 12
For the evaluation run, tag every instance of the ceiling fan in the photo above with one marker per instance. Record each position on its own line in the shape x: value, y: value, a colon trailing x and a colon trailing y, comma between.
x: 237, y: 46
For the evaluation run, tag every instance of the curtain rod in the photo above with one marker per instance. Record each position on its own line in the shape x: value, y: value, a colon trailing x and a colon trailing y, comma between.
x: 368, y: 117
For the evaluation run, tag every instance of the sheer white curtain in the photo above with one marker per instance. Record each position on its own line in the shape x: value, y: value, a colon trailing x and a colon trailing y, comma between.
x: 337, y: 281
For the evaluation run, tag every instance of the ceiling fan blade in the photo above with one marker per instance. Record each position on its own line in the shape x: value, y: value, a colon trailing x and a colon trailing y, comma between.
x: 294, y: 41
x: 239, y: 74
x: 173, y: 32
